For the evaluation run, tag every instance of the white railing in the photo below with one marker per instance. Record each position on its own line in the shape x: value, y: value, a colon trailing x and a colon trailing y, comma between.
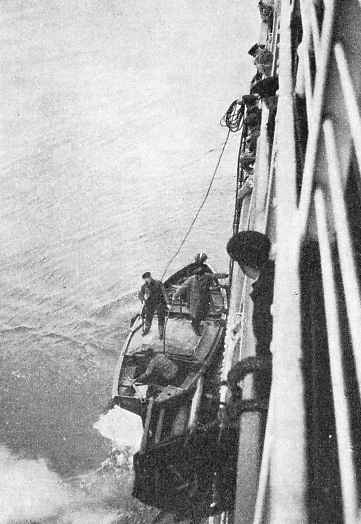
x: 344, y: 441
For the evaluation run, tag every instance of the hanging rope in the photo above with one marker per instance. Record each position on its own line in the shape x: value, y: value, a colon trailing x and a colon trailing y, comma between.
x: 233, y: 117
x: 199, y: 209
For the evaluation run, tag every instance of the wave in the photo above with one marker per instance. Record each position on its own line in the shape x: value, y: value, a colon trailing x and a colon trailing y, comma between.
x: 17, y: 329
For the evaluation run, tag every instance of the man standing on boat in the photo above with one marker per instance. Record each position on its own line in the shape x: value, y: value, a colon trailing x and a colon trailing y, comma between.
x: 154, y: 298
x: 200, y: 297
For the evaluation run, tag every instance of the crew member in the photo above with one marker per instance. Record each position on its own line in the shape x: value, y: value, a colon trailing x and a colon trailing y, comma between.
x: 251, y: 250
x: 200, y: 295
x: 153, y: 295
x: 160, y: 369
x: 200, y: 259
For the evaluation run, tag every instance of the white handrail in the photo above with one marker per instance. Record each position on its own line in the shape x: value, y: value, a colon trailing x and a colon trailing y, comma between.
x: 315, y: 31
x: 348, y: 269
x: 343, y: 426
x: 350, y: 99
x: 315, y: 119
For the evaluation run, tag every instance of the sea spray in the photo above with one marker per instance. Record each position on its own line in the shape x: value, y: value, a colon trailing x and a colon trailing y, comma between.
x: 123, y: 428
x: 29, y: 491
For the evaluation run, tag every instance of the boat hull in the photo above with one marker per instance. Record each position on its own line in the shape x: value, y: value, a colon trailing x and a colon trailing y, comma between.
x: 192, y: 476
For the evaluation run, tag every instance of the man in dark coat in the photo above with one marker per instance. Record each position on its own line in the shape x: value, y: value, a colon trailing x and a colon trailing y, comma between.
x: 251, y: 249
x: 200, y: 295
x: 153, y: 295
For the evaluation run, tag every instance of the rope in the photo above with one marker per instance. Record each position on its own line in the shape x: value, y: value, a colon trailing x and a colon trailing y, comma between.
x: 233, y: 117
x: 199, y: 209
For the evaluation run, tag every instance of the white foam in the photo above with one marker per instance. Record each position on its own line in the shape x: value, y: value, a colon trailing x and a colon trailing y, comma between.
x: 29, y: 491
x: 122, y: 427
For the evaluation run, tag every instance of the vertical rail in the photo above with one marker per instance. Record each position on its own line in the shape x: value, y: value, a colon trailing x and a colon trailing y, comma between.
x: 159, y: 429
x: 316, y: 106
x: 350, y: 98
x: 195, y: 404
x: 349, y: 276
x: 343, y: 427
x: 249, y: 459
x: 250, y: 444
x: 260, y: 186
x: 288, y: 462
x: 264, y: 476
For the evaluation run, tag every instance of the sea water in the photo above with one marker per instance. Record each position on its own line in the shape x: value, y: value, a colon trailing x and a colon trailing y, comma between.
x: 110, y: 136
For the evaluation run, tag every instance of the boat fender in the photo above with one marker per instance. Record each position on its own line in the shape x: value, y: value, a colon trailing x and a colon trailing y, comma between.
x: 245, y: 367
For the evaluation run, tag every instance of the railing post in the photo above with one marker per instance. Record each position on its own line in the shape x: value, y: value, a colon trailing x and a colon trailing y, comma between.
x: 288, y: 480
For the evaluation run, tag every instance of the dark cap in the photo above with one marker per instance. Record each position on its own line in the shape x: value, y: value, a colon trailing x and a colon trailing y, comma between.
x: 146, y: 275
x: 250, y: 248
x: 253, y: 50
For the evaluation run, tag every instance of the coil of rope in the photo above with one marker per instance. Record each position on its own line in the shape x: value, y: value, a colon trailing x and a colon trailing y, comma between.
x: 234, y: 116
x: 199, y: 209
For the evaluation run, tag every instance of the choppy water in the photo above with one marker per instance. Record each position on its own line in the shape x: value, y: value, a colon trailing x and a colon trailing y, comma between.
x: 110, y: 134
